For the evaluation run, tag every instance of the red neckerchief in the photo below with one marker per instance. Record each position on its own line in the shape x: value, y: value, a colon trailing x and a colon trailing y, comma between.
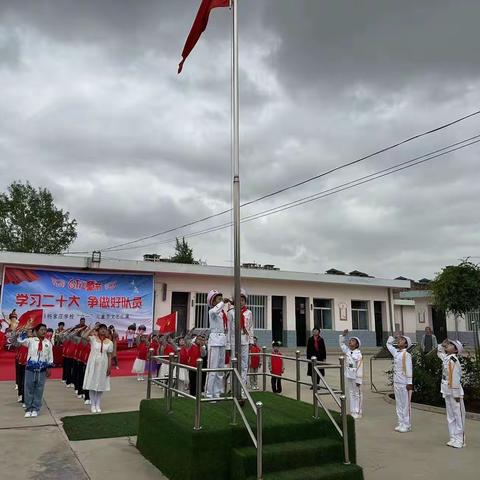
x: 242, y: 318
x: 225, y: 321
x: 40, y: 345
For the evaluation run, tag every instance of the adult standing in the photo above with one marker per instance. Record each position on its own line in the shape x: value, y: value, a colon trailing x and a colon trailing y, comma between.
x: 316, y: 348
x: 429, y: 341
x: 99, y: 365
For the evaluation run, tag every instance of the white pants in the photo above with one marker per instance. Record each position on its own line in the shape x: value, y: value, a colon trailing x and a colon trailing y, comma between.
x: 243, y: 362
x: 216, y: 359
x: 403, y: 404
x: 355, y: 397
x: 455, y: 418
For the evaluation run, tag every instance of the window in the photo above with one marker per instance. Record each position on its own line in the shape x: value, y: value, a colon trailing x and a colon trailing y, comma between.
x: 359, y: 315
x: 258, y: 305
x: 322, y: 313
x: 472, y: 318
x: 201, y: 310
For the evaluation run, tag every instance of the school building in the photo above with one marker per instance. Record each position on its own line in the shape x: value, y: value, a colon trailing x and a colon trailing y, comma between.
x: 286, y: 305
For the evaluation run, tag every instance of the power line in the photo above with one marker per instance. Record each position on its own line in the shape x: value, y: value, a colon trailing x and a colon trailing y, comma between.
x: 295, y: 185
x: 337, y: 189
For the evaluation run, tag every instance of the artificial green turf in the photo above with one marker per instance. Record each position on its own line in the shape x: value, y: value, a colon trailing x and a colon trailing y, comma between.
x: 218, y: 450
x: 107, y: 425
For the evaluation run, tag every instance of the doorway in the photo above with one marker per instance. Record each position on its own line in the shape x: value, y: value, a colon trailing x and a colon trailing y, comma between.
x: 301, y: 320
x: 378, y: 312
x: 439, y: 324
x: 277, y: 319
x: 180, y: 305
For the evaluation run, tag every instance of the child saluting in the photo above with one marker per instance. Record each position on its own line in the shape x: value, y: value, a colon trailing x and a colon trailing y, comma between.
x: 402, y: 380
x: 353, y: 373
x: 452, y: 391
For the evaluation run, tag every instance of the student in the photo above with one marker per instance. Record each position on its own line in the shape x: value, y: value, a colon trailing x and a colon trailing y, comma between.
x: 255, y: 363
x: 402, y: 380
x: 113, y: 335
x: 246, y: 335
x: 168, y: 348
x: 83, y: 360
x: 141, y: 360
x: 21, y: 363
x: 452, y: 391
x: 183, y: 359
x: 353, y: 373
x: 217, y: 340
x: 68, y: 347
x: 99, y: 365
x: 39, y: 363
x: 276, y: 368
x: 196, y: 351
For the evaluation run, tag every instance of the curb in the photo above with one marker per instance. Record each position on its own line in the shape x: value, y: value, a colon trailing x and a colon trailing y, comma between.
x: 431, y: 409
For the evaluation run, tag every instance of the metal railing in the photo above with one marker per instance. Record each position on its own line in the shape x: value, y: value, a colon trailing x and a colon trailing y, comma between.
x: 170, y: 385
x: 373, y: 387
x: 318, y: 391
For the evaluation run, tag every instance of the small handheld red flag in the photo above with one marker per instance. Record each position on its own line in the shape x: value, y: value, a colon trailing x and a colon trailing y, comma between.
x: 168, y: 323
x: 199, y: 25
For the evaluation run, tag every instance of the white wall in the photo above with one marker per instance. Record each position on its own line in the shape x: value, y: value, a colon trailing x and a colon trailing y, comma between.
x: 338, y: 293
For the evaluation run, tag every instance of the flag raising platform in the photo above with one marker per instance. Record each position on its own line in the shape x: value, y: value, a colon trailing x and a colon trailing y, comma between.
x: 296, y: 446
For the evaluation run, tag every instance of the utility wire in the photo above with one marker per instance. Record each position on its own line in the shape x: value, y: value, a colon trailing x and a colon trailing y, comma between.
x: 325, y: 193
x: 295, y: 185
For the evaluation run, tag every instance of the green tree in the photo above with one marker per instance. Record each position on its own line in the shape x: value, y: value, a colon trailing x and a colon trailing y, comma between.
x: 456, y: 289
x: 30, y: 221
x: 183, y: 253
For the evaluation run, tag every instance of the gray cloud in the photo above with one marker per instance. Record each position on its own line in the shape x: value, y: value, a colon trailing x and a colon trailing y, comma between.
x: 93, y: 109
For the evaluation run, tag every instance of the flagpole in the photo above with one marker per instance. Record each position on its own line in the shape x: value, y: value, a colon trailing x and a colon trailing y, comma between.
x: 236, y: 180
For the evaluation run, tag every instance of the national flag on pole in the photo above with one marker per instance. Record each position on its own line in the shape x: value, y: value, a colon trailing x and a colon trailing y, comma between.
x: 199, y: 25
x: 168, y: 323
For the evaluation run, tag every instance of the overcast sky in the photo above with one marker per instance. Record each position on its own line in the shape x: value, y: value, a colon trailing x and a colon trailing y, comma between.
x: 93, y: 109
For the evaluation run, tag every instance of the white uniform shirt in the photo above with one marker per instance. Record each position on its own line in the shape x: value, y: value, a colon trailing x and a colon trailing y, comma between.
x: 218, y: 332
x: 38, y: 359
x: 402, y: 364
x: 247, y: 335
x: 354, y: 362
x: 451, y: 374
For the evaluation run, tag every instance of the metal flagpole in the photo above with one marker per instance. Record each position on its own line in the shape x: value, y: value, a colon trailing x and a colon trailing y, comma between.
x: 236, y: 182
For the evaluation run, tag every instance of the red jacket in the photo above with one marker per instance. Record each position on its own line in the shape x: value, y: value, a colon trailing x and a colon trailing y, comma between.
x: 255, y: 359
x: 85, y: 352
x: 22, y: 355
x: 142, y: 351
x: 277, y: 363
x: 183, y: 355
x: 168, y: 349
x: 68, y: 348
x: 193, y: 355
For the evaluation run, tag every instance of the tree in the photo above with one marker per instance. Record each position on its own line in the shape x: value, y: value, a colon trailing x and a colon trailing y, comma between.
x: 183, y: 253
x: 30, y: 221
x: 456, y: 289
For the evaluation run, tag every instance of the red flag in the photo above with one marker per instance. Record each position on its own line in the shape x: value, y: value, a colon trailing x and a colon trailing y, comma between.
x: 35, y: 317
x: 199, y: 25
x: 168, y: 323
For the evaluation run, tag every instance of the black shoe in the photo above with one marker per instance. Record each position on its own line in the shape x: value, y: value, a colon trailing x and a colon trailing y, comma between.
x: 311, y: 388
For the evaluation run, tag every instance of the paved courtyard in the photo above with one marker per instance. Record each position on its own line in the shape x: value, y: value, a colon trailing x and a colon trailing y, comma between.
x: 38, y: 448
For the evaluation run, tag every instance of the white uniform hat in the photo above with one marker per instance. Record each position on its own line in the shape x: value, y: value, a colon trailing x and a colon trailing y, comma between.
x: 243, y: 293
x: 408, y: 340
x: 211, y: 295
x: 358, y: 341
x: 458, y: 345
